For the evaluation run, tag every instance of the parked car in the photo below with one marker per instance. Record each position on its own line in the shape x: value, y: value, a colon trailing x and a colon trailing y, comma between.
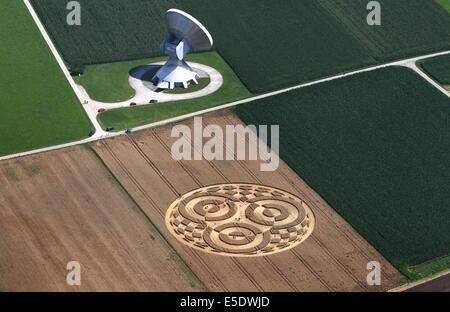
x: 153, y: 101
x: 102, y: 110
x: 133, y: 104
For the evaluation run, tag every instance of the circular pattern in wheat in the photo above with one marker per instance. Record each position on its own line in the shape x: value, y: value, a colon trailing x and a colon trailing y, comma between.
x: 240, y: 220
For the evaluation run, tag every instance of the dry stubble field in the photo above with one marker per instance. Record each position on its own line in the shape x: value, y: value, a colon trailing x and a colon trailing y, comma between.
x: 334, y: 258
x: 63, y: 206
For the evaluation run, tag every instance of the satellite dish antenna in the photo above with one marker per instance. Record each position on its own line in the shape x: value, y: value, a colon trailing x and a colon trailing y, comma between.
x: 186, y: 34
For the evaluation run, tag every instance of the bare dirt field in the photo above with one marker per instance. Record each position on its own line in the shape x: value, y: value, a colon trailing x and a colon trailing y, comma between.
x: 65, y: 206
x: 333, y: 258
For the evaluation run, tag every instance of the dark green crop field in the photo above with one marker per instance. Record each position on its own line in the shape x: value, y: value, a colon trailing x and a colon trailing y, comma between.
x: 438, y: 68
x: 408, y: 27
x: 376, y: 147
x: 269, y: 45
x: 38, y: 107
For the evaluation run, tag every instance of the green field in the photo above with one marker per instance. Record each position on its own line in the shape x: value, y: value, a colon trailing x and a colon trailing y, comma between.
x: 231, y: 90
x: 39, y: 108
x: 438, y: 68
x: 269, y: 45
x: 376, y: 147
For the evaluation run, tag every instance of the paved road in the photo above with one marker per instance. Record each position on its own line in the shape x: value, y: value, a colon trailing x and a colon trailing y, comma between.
x: 441, y: 284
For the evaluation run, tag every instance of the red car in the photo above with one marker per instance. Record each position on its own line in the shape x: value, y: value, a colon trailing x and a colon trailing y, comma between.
x: 102, y: 110
x: 133, y: 104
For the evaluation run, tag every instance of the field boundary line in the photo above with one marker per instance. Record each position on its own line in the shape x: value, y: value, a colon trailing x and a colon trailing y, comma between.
x: 420, y: 282
x: 101, y: 134
x: 413, y: 65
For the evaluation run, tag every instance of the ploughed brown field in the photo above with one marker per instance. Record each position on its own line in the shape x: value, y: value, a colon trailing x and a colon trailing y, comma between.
x: 65, y: 206
x: 333, y: 258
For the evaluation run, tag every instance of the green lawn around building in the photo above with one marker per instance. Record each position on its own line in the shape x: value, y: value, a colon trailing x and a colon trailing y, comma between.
x: 376, y: 147
x: 231, y: 90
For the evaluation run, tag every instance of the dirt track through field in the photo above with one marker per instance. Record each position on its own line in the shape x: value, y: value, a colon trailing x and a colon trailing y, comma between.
x: 65, y: 206
x: 334, y: 258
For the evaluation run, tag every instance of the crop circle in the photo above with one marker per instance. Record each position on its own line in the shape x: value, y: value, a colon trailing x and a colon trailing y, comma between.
x: 240, y: 220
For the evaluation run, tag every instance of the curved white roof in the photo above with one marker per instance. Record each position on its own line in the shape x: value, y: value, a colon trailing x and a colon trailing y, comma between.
x: 184, y: 26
